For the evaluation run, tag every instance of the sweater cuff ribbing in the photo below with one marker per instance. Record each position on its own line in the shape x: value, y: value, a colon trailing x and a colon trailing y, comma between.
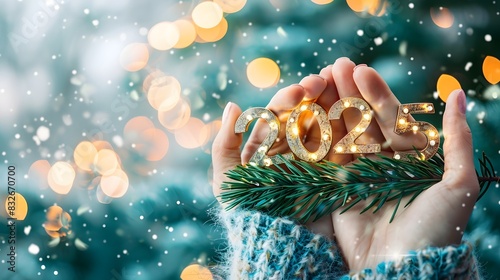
x: 451, y: 262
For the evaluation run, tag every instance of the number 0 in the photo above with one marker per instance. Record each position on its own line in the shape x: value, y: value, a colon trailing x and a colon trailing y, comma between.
x: 293, y: 132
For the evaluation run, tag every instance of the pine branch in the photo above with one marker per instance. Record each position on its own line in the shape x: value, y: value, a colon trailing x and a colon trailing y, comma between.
x: 307, y: 191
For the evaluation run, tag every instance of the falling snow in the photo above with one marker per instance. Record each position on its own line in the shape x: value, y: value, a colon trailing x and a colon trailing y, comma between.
x: 110, y: 124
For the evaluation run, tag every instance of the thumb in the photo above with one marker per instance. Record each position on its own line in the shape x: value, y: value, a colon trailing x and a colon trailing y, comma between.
x: 226, y: 152
x: 459, y: 160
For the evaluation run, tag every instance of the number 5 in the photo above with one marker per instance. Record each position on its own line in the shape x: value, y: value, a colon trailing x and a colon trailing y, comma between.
x: 403, y: 125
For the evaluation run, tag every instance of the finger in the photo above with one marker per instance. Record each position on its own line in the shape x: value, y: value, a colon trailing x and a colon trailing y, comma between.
x: 286, y: 99
x: 324, y: 99
x: 329, y: 96
x: 281, y: 104
x: 457, y: 147
x: 342, y: 75
x: 226, y: 147
x: 313, y: 86
x: 373, y: 134
x: 342, y: 72
x: 451, y: 201
x: 385, y: 106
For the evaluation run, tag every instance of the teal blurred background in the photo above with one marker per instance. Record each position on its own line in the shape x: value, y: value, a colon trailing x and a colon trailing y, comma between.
x: 60, y: 70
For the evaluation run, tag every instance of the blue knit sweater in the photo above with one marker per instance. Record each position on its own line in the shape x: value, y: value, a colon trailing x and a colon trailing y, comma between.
x: 262, y: 247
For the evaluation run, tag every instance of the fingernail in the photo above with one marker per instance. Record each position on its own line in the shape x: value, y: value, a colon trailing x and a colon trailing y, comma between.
x: 358, y: 66
x: 226, y: 111
x: 316, y: 75
x: 342, y: 58
x: 298, y: 85
x: 462, y: 101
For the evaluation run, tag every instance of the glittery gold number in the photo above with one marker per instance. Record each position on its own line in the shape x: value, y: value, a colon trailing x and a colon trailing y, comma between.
x: 293, y: 132
x: 260, y: 156
x: 430, y: 132
x: 347, y: 144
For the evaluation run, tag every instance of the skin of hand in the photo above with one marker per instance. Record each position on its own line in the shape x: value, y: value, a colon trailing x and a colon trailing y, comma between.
x: 437, y: 217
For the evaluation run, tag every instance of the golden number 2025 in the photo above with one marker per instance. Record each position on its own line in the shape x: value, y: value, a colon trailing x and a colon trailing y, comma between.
x: 346, y: 145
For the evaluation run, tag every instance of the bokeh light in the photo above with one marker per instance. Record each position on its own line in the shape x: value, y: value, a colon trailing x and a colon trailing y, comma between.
x: 442, y: 17
x: 192, y: 135
x: 492, y: 92
x: 231, y: 6
x: 207, y: 14
x: 446, y: 84
x: 187, y: 33
x: 102, y: 197
x: 357, y: 5
x: 134, y: 57
x: 54, y: 213
x: 372, y: 7
x: 164, y: 92
x: 214, y: 34
x: 84, y: 155
x: 20, y: 206
x: 81, y: 245
x: 148, y: 81
x: 135, y: 126
x: 58, y: 222
x: 39, y: 172
x: 106, y: 162
x: 322, y: 2
x: 43, y: 133
x: 150, y: 85
x: 196, y: 272
x: 61, y: 177
x: 163, y: 36
x: 115, y: 185
x: 263, y: 72
x: 153, y: 144
x: 146, y: 140
x: 102, y: 144
x: 491, y: 69
x: 177, y: 117
x: 33, y: 249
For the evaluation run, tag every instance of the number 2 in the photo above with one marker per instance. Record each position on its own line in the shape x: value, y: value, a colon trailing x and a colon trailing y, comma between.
x: 260, y: 156
x: 346, y: 145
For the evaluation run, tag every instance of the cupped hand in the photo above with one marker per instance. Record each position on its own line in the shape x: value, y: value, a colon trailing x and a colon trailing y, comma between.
x: 437, y: 217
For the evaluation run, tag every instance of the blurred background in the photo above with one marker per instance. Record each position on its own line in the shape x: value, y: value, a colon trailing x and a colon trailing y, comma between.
x: 109, y: 108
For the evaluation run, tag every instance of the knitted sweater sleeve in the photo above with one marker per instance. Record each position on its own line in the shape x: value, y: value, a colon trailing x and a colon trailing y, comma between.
x: 264, y: 247
x: 261, y: 247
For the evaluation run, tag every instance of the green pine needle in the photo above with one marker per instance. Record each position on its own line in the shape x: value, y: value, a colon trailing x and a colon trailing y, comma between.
x: 308, y: 191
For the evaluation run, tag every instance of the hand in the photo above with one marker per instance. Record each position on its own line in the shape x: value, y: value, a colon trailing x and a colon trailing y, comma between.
x: 437, y: 217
